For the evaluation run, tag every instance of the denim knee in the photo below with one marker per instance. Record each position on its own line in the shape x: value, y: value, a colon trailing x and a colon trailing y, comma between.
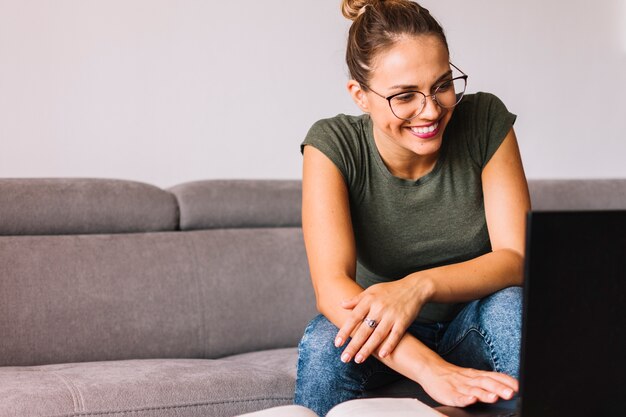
x: 500, y: 317
x: 322, y: 379
x: 487, y: 333
x: 317, y: 343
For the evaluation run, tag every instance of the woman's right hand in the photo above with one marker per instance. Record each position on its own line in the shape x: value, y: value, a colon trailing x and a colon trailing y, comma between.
x: 392, y: 305
x: 453, y: 385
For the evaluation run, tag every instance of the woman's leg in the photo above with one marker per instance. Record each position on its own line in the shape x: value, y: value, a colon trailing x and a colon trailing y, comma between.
x: 322, y: 379
x: 486, y: 334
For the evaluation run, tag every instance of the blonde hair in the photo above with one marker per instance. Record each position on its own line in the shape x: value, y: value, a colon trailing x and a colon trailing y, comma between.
x: 353, y: 9
x: 377, y: 25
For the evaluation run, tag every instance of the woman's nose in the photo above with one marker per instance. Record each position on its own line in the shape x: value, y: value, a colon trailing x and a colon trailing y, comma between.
x: 431, y: 110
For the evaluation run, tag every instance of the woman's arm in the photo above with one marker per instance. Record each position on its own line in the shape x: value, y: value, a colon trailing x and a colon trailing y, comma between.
x: 328, y: 235
x: 330, y: 246
x: 507, y: 201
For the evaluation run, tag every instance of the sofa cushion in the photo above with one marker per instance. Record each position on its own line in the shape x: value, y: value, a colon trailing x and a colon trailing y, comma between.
x: 79, y: 206
x: 151, y: 388
x: 213, y: 204
x: 201, y: 294
x: 582, y: 194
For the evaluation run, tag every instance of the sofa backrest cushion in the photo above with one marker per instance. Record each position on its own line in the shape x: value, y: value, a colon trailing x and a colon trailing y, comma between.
x: 213, y: 204
x: 80, y: 206
x: 578, y: 194
x: 201, y: 294
x: 130, y: 291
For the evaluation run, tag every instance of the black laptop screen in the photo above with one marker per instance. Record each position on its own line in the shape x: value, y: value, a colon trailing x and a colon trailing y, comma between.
x: 574, y: 333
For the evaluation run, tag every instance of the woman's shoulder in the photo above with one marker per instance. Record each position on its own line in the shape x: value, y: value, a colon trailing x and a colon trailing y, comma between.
x: 340, y: 124
x: 481, y: 101
x: 481, y: 111
x: 343, y: 139
x: 481, y: 124
x: 344, y: 133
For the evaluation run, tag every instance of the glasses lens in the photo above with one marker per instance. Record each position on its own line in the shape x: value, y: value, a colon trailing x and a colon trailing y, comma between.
x: 410, y: 104
x: 407, y: 105
x: 450, y: 92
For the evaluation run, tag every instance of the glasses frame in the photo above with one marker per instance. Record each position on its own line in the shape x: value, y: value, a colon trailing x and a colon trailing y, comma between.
x: 433, y: 96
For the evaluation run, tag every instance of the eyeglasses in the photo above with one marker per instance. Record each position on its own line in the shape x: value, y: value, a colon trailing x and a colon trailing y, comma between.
x: 409, y: 104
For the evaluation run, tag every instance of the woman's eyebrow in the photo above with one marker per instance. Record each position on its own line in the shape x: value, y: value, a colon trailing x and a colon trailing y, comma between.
x: 447, y: 74
x: 415, y: 87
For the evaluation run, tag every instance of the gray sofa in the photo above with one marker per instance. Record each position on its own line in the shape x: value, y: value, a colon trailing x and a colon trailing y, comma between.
x: 118, y: 298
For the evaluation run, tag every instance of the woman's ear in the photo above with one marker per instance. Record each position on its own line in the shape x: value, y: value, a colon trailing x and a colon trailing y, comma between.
x: 358, y: 95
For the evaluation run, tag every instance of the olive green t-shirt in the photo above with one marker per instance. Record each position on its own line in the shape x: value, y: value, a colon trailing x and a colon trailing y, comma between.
x: 403, y: 226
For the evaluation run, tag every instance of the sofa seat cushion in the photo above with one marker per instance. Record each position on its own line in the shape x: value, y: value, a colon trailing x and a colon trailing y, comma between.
x: 152, y: 387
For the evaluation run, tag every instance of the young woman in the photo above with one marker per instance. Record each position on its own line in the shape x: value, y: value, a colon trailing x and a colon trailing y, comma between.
x: 413, y: 219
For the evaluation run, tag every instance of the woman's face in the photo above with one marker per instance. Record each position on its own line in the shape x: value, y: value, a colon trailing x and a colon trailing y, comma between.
x: 414, y: 63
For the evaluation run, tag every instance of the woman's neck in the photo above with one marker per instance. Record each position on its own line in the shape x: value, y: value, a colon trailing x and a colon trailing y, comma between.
x: 403, y: 163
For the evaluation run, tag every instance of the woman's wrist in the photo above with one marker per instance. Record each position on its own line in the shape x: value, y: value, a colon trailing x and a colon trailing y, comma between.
x: 414, y: 360
x: 423, y: 286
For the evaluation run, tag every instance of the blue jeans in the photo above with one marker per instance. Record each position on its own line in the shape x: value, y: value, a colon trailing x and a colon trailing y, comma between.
x: 485, y: 335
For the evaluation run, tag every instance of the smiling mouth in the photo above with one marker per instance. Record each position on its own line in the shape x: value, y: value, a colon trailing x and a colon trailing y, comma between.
x: 425, y: 130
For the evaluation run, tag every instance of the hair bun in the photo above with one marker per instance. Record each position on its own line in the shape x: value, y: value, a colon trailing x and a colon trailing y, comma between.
x: 351, y: 9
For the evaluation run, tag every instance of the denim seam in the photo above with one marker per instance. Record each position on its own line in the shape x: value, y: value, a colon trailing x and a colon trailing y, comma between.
x: 486, y: 339
x: 299, y: 363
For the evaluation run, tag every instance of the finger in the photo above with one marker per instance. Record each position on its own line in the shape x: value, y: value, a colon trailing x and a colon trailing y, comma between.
x: 391, y: 342
x: 344, y: 333
x: 507, y: 380
x: 471, y: 387
x: 351, y: 302
x: 464, y: 400
x: 502, y: 384
x: 482, y: 389
x: 483, y: 395
x: 357, y: 341
x: 455, y: 398
x: 373, y: 342
x: 493, y: 387
x: 350, y: 325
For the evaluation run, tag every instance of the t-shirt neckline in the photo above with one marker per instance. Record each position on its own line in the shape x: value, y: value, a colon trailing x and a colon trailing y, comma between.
x: 403, y: 182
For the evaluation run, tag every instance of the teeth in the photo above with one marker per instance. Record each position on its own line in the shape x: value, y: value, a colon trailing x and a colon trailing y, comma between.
x: 424, y: 130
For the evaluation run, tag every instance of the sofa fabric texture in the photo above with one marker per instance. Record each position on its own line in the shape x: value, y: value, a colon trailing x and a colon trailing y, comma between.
x: 81, y: 206
x: 119, y: 298
x: 152, y: 387
x: 201, y: 294
x: 238, y: 203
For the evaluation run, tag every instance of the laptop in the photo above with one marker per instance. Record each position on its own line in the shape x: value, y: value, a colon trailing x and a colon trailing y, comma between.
x: 573, y: 356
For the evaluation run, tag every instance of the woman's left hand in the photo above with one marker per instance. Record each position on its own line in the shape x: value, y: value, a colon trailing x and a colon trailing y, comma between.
x: 392, y: 305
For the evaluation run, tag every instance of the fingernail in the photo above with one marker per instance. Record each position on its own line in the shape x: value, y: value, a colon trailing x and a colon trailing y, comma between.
x: 466, y: 398
x: 492, y: 396
x: 508, y: 392
x: 338, y: 341
x: 345, y: 358
x: 383, y: 353
x: 359, y: 358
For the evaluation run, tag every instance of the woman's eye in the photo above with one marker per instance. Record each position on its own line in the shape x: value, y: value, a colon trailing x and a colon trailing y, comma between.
x: 406, y: 97
x: 444, y: 86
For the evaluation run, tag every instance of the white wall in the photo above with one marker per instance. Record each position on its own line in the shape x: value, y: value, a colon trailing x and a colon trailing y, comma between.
x: 166, y: 91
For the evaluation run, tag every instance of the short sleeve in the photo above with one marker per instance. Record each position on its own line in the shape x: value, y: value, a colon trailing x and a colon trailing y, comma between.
x: 491, y: 122
x: 335, y: 138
